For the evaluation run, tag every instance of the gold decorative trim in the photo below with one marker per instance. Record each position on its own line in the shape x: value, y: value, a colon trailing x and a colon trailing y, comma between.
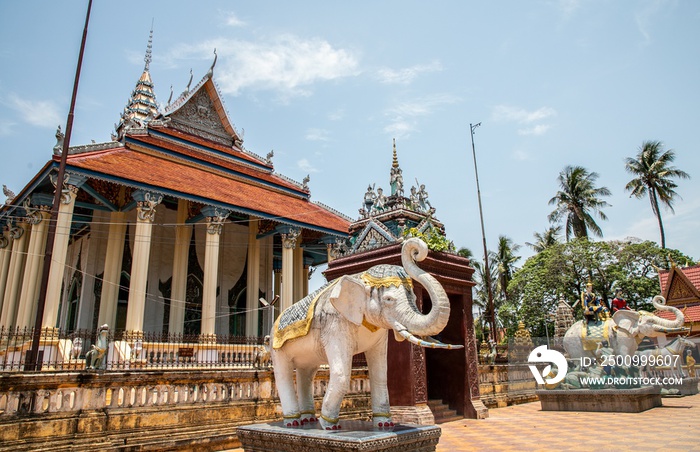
x: 369, y: 326
x: 329, y: 419
x: 386, y: 281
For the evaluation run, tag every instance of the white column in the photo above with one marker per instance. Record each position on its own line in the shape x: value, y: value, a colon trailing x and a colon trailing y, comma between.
x: 298, y: 273
x: 109, y: 297
x: 28, y: 300
x: 60, y: 249
x: 252, y: 280
x: 14, y: 275
x: 5, y: 254
x: 145, y: 214
x: 178, y: 290
x: 289, y: 241
x: 215, y: 221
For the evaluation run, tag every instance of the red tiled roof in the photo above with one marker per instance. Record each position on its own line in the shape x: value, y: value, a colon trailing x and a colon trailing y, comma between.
x: 172, y: 176
x: 692, y: 273
x: 225, y: 163
x: 204, y: 142
x: 691, y: 313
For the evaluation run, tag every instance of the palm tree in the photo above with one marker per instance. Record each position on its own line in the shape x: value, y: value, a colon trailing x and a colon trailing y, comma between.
x: 653, y: 176
x: 577, y: 200
x: 505, y: 260
x: 465, y: 252
x: 543, y: 241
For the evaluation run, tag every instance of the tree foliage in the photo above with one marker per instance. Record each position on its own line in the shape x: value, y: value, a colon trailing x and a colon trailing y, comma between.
x: 654, y: 178
x: 562, y: 271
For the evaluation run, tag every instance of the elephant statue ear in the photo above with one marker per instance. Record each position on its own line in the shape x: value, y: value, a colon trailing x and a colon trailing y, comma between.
x: 627, y: 320
x: 348, y: 297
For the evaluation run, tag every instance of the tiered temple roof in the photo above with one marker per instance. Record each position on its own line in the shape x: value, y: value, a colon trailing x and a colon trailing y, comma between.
x: 386, y: 219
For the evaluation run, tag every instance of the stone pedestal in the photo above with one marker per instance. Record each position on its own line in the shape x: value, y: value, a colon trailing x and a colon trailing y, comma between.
x: 600, y: 400
x: 354, y: 436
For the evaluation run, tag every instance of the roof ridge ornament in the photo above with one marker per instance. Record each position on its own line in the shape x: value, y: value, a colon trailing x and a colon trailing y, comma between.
x: 211, y: 69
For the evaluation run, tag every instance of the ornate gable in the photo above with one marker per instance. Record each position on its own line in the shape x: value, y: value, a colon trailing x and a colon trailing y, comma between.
x: 679, y: 289
x: 373, y: 236
x: 201, y: 115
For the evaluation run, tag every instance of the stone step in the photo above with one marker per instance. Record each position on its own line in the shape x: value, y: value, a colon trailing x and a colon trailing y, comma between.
x: 442, y: 412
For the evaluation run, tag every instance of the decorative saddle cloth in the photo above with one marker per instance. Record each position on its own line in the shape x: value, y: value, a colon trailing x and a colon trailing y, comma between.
x: 594, y: 333
x: 295, y: 321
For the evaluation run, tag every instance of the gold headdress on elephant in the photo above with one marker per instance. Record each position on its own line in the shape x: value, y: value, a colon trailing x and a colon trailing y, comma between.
x: 387, y: 276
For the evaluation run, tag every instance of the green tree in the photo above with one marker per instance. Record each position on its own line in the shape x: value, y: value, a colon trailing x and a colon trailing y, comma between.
x: 504, y: 261
x: 562, y: 271
x: 577, y: 201
x: 543, y: 241
x: 654, y: 178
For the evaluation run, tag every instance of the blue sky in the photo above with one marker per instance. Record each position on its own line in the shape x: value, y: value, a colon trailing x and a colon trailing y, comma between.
x: 329, y: 84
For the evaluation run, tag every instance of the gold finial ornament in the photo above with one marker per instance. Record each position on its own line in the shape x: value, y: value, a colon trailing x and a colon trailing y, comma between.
x: 395, y: 161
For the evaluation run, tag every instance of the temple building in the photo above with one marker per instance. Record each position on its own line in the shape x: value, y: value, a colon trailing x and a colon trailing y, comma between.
x: 426, y: 385
x: 680, y: 286
x: 172, y: 226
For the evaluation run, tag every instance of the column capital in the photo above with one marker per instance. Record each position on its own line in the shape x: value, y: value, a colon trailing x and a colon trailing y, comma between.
x: 4, y: 241
x: 146, y: 203
x: 71, y: 183
x: 289, y: 236
x: 16, y: 232
x: 216, y: 216
x: 37, y: 208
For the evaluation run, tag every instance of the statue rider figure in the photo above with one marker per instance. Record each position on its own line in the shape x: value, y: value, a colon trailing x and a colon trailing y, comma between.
x: 618, y: 302
x: 594, y: 309
x: 370, y: 197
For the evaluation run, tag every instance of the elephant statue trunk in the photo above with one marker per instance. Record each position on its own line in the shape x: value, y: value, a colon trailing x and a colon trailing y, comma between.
x: 666, y: 325
x: 413, y: 321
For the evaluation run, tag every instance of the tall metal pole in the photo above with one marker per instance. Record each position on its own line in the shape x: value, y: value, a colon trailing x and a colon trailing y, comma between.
x: 487, y: 272
x: 35, y: 362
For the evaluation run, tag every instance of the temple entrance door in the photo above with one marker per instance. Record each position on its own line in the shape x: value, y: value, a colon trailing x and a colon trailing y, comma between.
x: 446, y: 369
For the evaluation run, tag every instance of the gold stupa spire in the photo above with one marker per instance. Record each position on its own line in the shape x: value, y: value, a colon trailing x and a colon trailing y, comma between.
x: 395, y: 162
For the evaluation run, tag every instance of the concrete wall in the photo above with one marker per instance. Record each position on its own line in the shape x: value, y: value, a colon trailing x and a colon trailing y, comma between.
x: 147, y: 410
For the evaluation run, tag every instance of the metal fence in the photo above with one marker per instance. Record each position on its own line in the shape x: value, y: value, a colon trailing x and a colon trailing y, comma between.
x: 86, y: 350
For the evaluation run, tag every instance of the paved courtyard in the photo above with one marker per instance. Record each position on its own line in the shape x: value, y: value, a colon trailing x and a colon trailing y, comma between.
x: 673, y: 427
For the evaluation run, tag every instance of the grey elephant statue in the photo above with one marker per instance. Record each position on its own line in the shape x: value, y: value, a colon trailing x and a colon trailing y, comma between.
x: 624, y: 331
x: 350, y: 315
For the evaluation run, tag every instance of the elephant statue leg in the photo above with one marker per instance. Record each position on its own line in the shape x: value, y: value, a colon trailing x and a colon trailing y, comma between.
x: 284, y: 379
x: 305, y: 394
x: 340, y: 365
x: 376, y: 363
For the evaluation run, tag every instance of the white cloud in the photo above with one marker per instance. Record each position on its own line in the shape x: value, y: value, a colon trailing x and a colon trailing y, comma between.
x: 232, y: 20
x: 403, y: 116
x: 37, y: 113
x: 645, y: 16
x: 520, y: 115
x: 521, y: 155
x: 568, y: 7
x: 306, y: 166
x: 6, y: 128
x: 532, y: 121
x: 317, y: 135
x: 287, y: 63
x: 337, y: 115
x: 407, y: 75
x: 537, y: 130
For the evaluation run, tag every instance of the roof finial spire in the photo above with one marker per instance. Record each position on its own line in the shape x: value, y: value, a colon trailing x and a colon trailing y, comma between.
x: 395, y: 162
x: 149, y: 48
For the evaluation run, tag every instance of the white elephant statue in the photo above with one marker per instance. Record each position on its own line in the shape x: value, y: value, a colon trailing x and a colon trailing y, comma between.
x: 624, y: 331
x: 351, y: 315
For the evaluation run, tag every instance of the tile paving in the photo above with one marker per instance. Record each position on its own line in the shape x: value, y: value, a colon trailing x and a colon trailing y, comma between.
x: 673, y: 427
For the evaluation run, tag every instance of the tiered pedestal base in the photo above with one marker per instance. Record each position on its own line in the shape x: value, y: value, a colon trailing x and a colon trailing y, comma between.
x: 354, y: 436
x: 600, y: 400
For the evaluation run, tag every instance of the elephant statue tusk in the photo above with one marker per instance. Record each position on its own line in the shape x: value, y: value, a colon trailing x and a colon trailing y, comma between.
x: 662, y: 329
x: 428, y: 342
